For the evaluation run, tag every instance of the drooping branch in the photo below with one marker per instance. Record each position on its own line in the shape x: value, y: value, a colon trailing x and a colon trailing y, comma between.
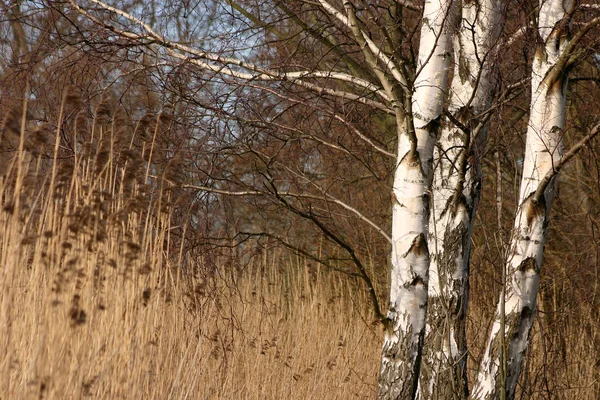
x: 247, y: 71
x: 325, y: 197
x: 340, y: 242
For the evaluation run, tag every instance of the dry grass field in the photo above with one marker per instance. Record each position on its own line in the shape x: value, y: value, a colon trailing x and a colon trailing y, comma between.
x: 95, y: 306
x: 95, y: 301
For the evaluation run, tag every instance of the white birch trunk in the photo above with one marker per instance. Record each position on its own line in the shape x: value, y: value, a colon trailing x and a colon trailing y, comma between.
x: 456, y: 187
x: 401, y: 355
x: 501, y: 366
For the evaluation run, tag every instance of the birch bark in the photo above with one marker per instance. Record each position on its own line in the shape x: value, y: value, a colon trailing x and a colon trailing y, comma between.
x: 456, y: 187
x: 402, y: 348
x: 501, y: 366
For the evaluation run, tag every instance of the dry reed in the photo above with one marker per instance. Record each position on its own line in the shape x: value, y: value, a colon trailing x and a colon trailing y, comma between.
x: 95, y: 304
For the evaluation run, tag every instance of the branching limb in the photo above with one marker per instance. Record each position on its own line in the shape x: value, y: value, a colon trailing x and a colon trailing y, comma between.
x: 333, y: 114
x: 196, y: 57
x: 326, y: 197
x: 408, y: 4
x: 340, y: 242
x: 367, y: 44
x: 571, y: 53
x: 351, y: 63
x: 539, y: 193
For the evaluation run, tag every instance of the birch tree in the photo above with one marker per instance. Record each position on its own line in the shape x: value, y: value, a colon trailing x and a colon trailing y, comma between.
x: 456, y: 188
x: 501, y: 366
x: 402, y: 348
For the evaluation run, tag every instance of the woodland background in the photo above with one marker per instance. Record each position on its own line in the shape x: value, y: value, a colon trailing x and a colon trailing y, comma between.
x: 123, y: 276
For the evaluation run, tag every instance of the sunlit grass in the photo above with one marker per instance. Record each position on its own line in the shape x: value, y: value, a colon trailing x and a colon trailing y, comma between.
x: 95, y: 302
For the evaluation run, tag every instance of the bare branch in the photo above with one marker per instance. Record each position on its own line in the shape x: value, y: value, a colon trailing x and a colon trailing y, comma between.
x: 326, y: 197
x: 374, y: 49
x: 539, y: 193
x: 257, y: 73
x: 335, y: 115
x: 570, y: 55
x: 344, y: 245
x: 363, y: 137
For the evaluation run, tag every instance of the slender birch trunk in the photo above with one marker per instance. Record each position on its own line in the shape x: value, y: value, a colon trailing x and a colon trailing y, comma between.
x: 501, y: 366
x: 456, y: 188
x: 403, y: 341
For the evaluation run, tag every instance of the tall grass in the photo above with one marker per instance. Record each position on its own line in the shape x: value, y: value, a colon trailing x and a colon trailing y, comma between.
x: 96, y: 302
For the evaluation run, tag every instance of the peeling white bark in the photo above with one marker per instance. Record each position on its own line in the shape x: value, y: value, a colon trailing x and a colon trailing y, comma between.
x: 456, y: 186
x: 542, y: 152
x: 401, y: 355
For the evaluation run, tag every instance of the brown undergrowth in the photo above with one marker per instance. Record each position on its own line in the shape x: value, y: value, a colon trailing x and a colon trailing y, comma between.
x: 96, y: 302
